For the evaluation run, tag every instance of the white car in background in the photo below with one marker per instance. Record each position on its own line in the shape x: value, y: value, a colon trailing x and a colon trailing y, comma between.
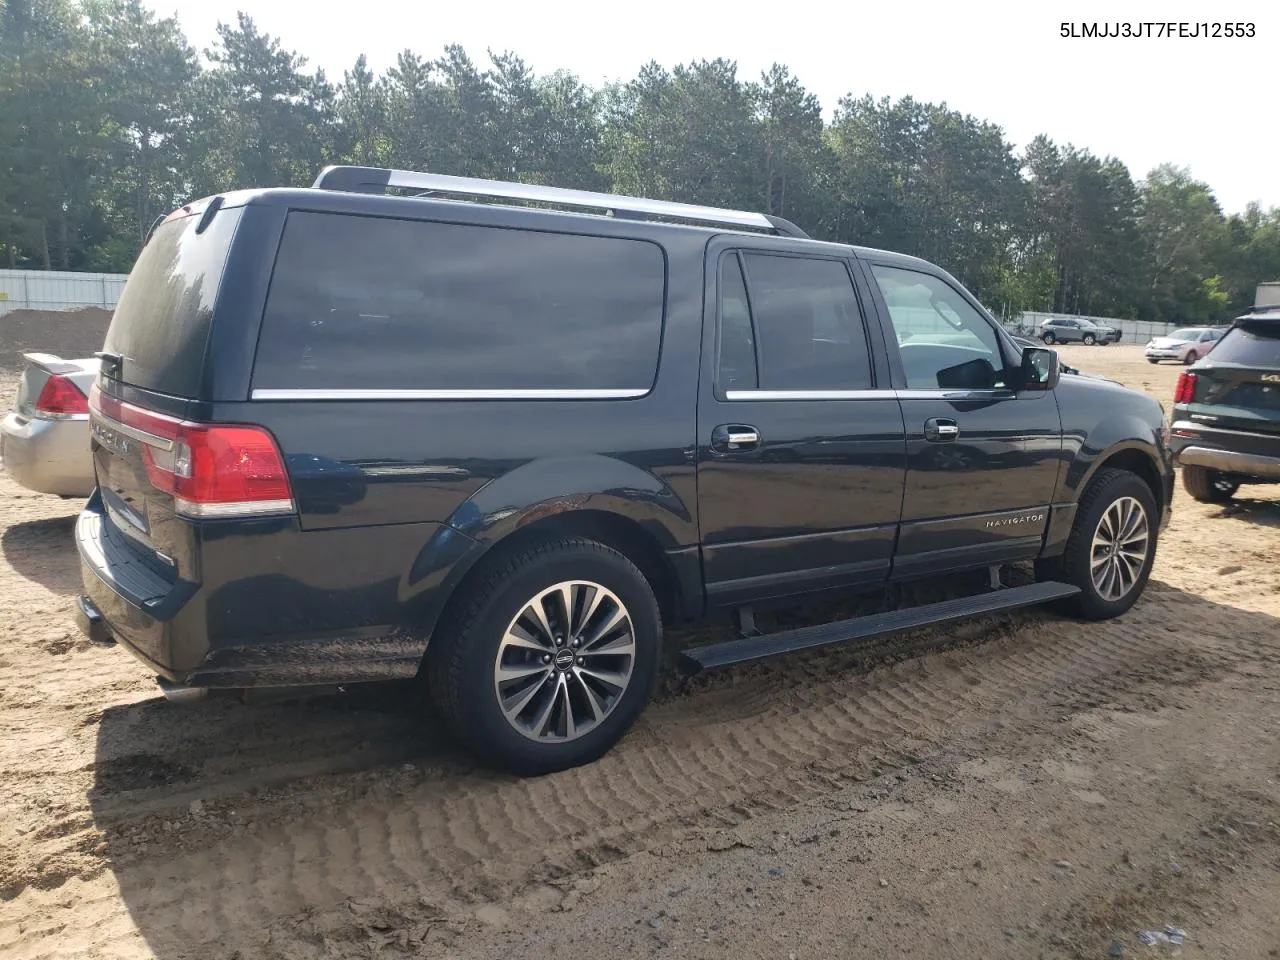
x: 1186, y: 345
x: 44, y: 439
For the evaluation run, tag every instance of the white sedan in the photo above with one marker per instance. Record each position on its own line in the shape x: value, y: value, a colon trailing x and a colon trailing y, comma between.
x: 1186, y: 345
x: 44, y: 439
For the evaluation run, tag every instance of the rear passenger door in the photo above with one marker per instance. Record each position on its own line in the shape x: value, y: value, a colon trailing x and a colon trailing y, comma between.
x: 800, y: 441
x: 982, y: 459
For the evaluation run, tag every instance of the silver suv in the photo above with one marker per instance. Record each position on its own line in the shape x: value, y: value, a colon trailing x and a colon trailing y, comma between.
x: 1059, y: 330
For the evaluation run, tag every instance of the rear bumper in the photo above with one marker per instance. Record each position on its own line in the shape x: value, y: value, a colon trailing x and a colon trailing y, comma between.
x: 274, y: 607
x: 1238, y: 452
x: 126, y: 602
x: 48, y: 456
x: 1229, y: 461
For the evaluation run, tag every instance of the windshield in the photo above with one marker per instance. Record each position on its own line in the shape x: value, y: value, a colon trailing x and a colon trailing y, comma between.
x: 1186, y: 333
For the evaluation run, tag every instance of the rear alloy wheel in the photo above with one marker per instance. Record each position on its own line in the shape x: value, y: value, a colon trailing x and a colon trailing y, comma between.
x: 1090, y: 339
x: 1208, y: 486
x: 547, y: 658
x: 1049, y: 337
x: 565, y: 661
x: 1190, y: 358
x: 1111, y: 547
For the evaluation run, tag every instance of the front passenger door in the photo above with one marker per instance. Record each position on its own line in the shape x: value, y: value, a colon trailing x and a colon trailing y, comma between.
x: 982, y: 459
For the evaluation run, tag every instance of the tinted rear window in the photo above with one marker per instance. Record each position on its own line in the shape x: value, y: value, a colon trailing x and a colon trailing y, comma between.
x: 364, y: 303
x: 1255, y: 344
x: 161, y: 324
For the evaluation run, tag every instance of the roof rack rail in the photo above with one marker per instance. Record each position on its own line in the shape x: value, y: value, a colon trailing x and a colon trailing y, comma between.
x: 378, y: 179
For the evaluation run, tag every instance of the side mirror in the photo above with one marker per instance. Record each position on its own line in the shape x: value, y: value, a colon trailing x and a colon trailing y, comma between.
x: 1041, y: 369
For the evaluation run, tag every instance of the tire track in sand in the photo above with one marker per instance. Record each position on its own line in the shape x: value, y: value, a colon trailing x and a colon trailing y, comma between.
x: 458, y: 839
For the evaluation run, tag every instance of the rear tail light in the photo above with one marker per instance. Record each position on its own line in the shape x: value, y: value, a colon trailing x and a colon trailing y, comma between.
x: 61, y: 399
x: 1186, y: 389
x: 211, y: 469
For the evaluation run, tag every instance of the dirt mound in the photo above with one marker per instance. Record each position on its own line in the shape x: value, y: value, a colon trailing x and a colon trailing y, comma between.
x: 70, y: 334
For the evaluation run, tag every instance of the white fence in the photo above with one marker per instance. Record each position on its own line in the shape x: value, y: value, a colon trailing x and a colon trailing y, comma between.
x: 55, y: 290
x: 1131, y: 331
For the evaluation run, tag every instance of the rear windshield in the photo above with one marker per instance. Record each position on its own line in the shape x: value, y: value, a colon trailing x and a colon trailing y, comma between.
x: 161, y: 324
x: 1255, y: 344
x: 362, y: 303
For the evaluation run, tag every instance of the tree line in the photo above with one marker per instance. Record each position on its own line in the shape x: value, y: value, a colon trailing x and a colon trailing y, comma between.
x: 109, y: 118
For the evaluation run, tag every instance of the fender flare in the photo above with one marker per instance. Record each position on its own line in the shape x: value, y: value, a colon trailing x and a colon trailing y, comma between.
x: 534, y: 492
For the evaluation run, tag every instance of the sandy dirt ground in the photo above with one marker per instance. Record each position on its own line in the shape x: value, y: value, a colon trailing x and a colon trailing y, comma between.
x: 1020, y: 786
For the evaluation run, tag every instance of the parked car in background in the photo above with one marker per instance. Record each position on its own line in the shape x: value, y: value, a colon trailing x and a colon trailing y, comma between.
x: 1226, y: 413
x: 1059, y: 330
x: 44, y: 439
x: 1186, y: 345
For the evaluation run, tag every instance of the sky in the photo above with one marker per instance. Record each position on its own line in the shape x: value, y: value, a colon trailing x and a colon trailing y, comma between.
x: 1195, y: 102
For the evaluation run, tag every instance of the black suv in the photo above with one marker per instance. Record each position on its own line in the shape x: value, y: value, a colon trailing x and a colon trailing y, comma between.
x: 1226, y: 411
x: 496, y: 445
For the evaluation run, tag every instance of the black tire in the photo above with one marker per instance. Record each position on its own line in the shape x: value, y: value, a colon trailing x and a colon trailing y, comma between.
x: 464, y: 649
x: 1074, y: 565
x: 1208, y: 486
x: 1089, y: 339
x: 1190, y: 358
x: 1049, y: 337
x: 1152, y: 360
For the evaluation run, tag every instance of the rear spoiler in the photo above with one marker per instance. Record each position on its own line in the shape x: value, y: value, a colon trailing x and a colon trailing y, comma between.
x: 53, y: 365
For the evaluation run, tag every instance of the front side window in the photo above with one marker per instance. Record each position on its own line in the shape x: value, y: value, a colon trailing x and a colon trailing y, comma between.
x: 943, y: 341
x: 806, y: 329
x: 375, y: 303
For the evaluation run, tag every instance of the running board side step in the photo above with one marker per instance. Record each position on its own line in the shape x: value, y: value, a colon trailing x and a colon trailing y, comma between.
x: 748, y: 649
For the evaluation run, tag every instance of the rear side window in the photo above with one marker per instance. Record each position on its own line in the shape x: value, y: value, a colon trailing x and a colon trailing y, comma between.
x: 1255, y: 345
x: 794, y: 325
x: 161, y: 325
x: 362, y: 303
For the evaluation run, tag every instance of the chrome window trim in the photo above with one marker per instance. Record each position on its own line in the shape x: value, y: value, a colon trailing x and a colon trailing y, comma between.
x: 886, y: 394
x: 980, y: 394
x: 809, y: 394
x: 299, y: 393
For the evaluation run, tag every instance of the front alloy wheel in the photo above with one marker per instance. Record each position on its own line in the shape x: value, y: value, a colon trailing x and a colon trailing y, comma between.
x: 1120, y: 545
x: 565, y: 661
x: 1111, y: 547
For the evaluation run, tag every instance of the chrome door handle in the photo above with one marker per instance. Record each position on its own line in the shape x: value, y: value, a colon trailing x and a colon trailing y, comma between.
x: 939, y: 430
x: 731, y: 438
